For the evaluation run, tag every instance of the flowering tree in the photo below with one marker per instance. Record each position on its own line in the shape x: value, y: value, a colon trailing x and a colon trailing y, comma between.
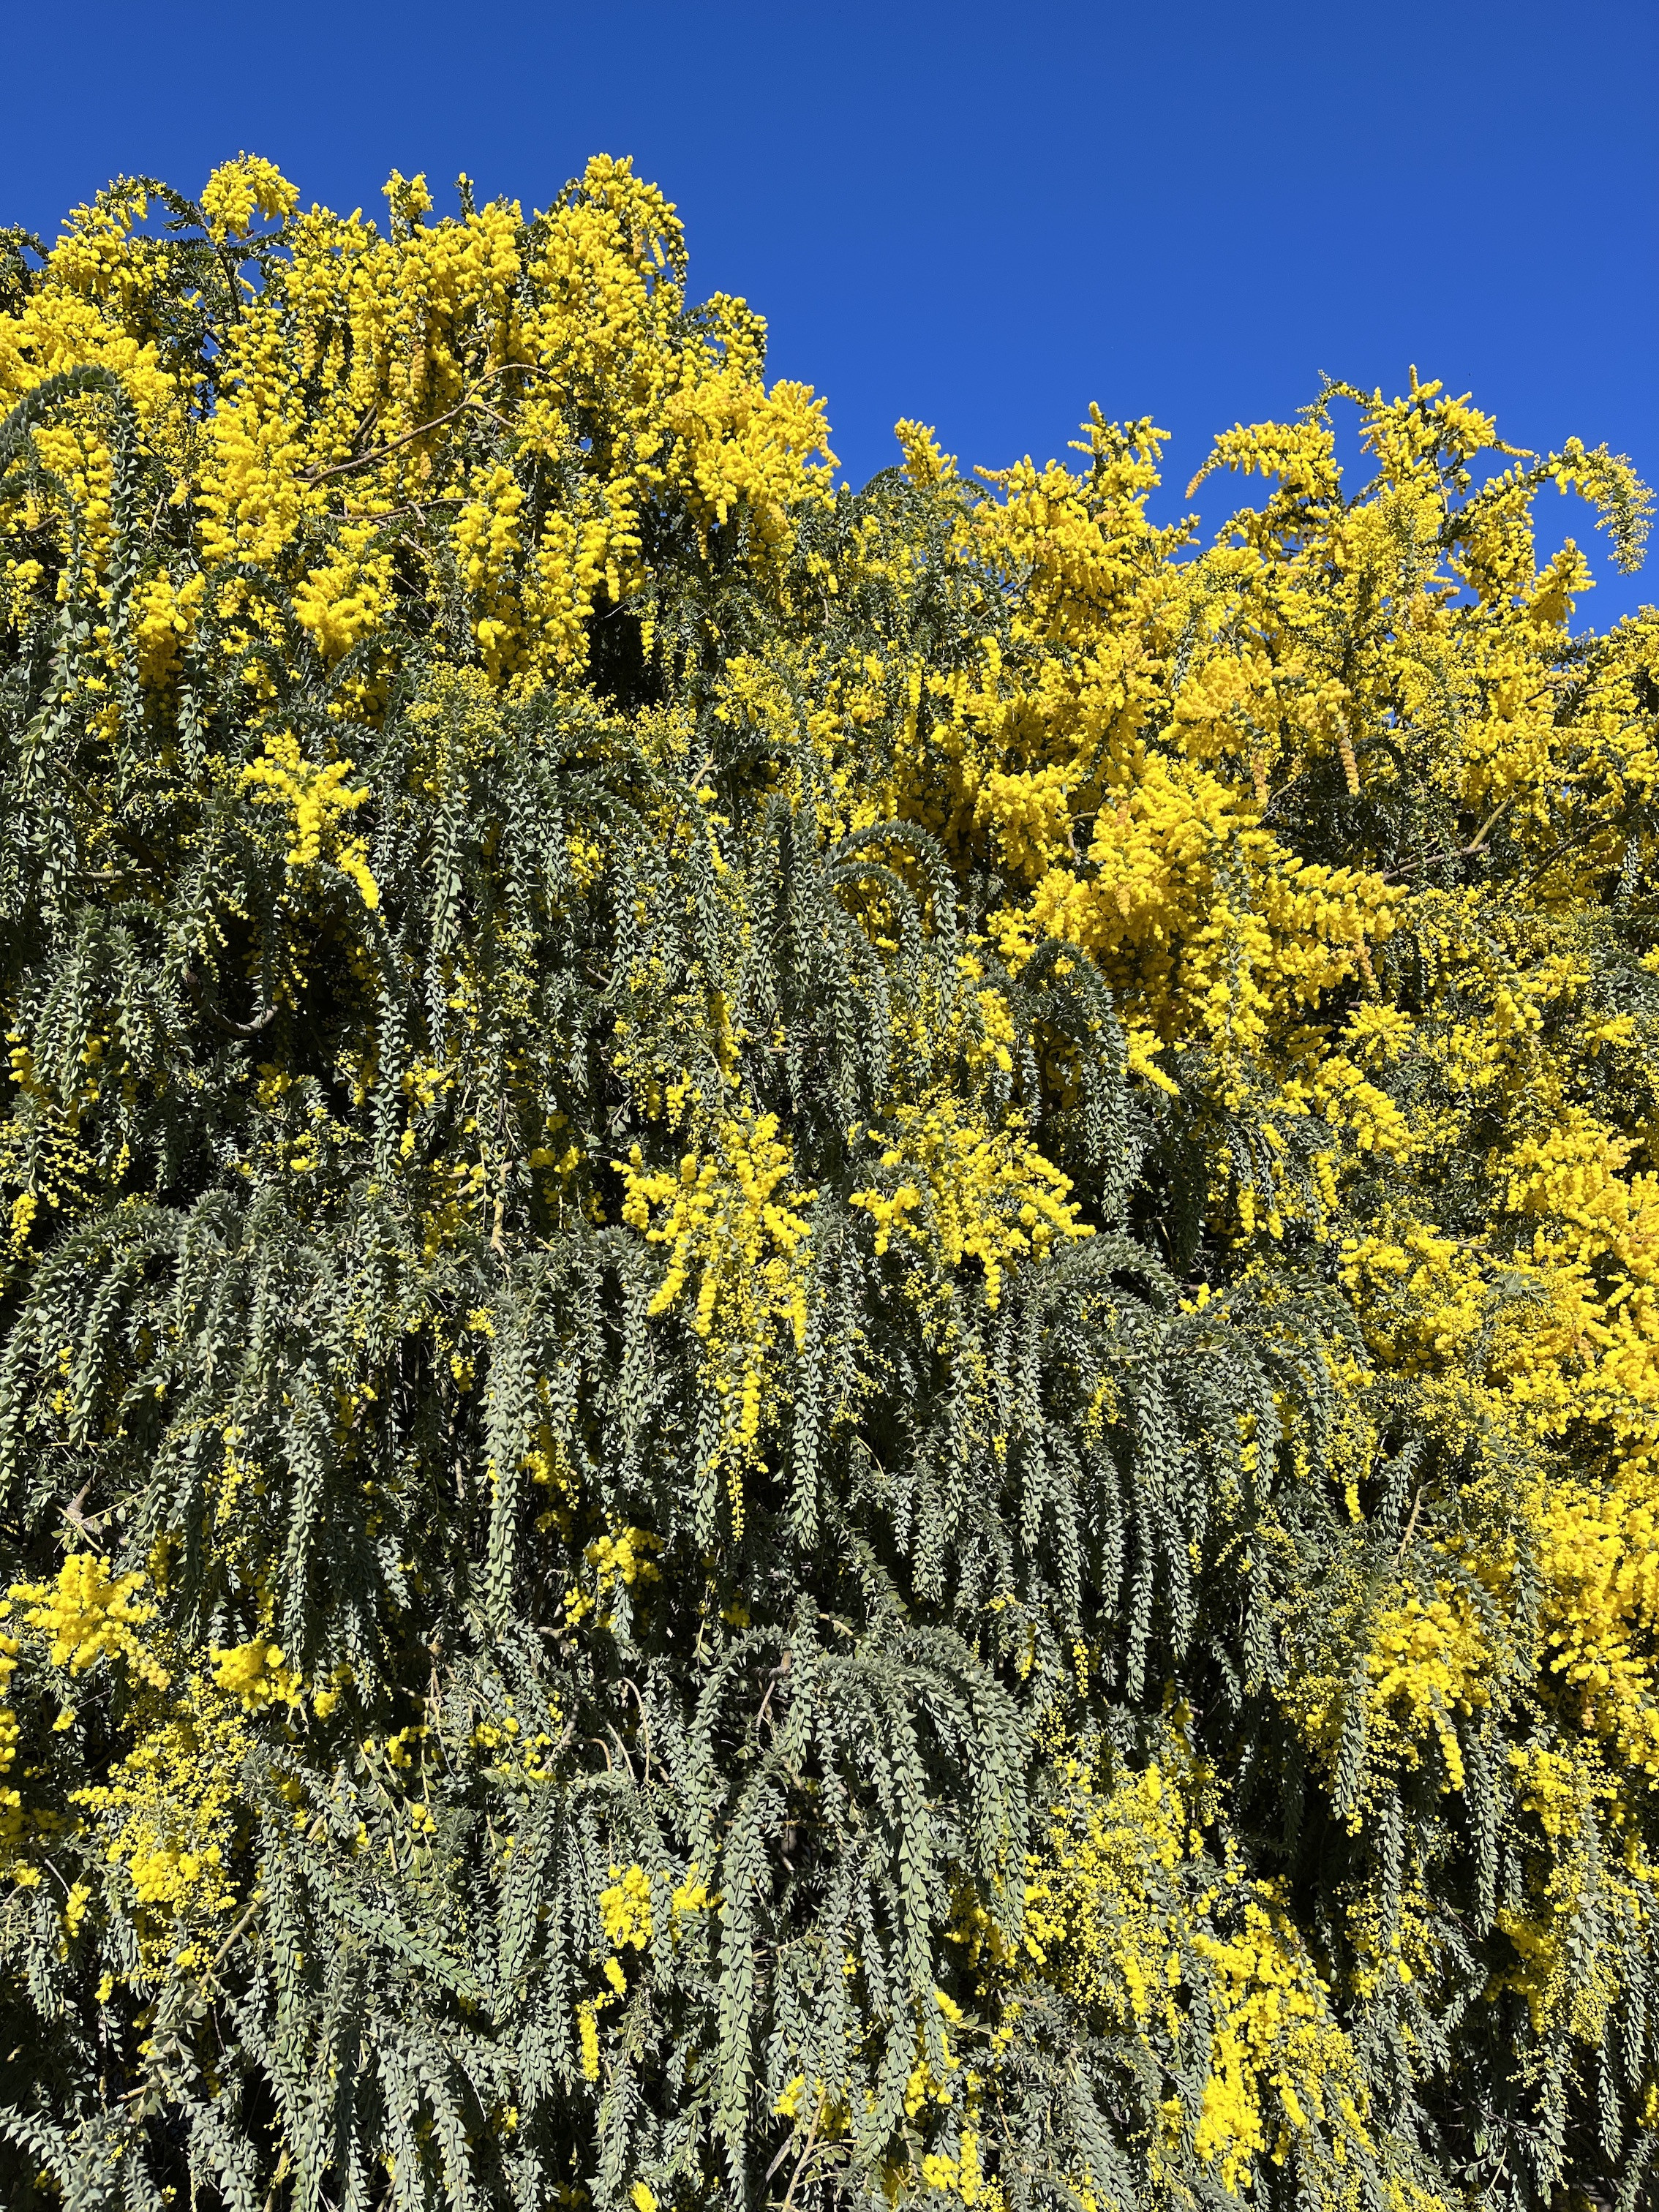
x: 830, y: 1343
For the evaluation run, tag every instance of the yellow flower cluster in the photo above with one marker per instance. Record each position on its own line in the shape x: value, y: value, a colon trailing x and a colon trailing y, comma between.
x: 1563, y: 1792
x: 733, y: 1226
x: 87, y: 1614
x: 739, y: 446
x: 351, y: 377
x: 629, y: 1921
x: 256, y: 1674
x: 1600, y: 1553
x: 622, y: 1559
x: 970, y: 1191
x: 164, y: 618
x: 1277, y: 2059
x: 11, y: 1801
x: 1554, y: 1335
x: 1206, y: 927
x: 168, y: 1815
x: 318, y: 797
x: 1126, y: 1911
x: 960, y: 2174
x: 625, y: 1908
x: 242, y: 189
x: 1427, y: 1659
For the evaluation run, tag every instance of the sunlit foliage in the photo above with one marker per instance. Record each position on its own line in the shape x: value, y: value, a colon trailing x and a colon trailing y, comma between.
x: 829, y: 1340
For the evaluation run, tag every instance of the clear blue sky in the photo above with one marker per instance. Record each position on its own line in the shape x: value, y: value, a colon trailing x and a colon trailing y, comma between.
x: 987, y: 217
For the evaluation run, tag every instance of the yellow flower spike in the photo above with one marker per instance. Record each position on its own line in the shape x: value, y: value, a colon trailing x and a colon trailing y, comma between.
x: 588, y: 2028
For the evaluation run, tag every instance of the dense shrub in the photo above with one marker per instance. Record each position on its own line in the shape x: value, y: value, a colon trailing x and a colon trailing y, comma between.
x: 831, y: 1328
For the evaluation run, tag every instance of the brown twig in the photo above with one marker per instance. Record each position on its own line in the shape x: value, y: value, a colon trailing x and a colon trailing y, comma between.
x: 382, y: 452
x: 91, y: 1530
x: 416, y: 507
x: 622, y: 1749
x: 1411, y: 1525
x: 1476, y: 845
x: 1568, y: 845
x: 800, y: 2163
x: 645, y: 1727
x: 778, y: 1674
x: 235, y: 1936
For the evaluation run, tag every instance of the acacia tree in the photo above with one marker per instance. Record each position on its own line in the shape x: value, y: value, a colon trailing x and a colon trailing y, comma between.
x: 828, y: 1325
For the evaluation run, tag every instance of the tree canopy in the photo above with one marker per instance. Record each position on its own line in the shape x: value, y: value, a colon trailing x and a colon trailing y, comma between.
x: 829, y: 1335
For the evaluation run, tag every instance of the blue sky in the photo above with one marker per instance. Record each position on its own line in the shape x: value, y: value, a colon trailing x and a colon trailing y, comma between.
x: 986, y: 217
